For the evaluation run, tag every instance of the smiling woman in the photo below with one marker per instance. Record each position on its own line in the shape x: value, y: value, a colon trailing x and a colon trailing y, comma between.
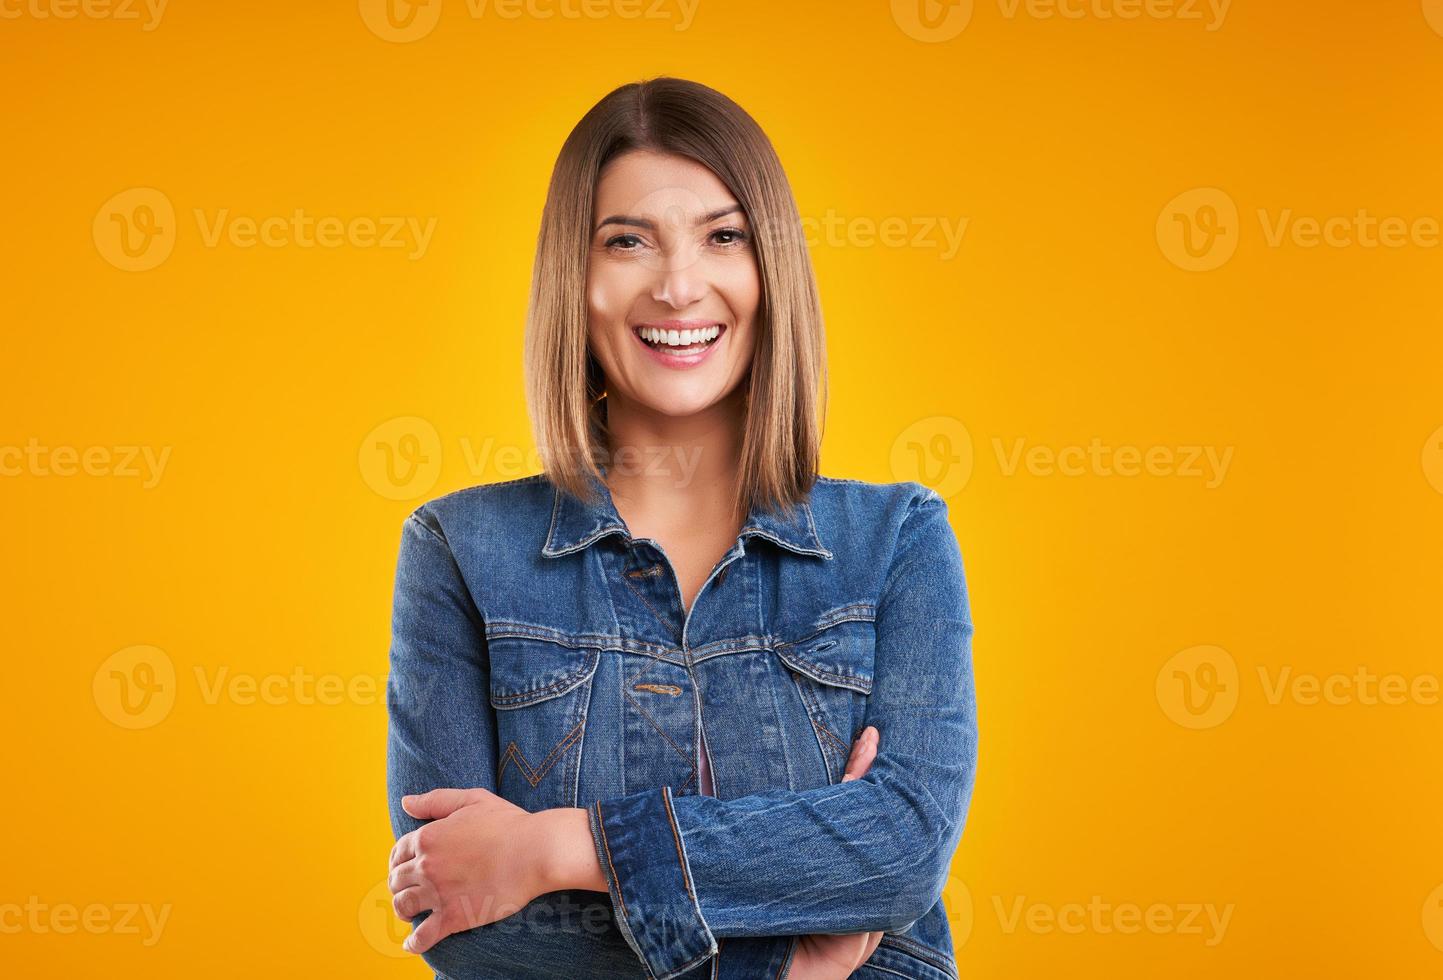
x: 679, y: 706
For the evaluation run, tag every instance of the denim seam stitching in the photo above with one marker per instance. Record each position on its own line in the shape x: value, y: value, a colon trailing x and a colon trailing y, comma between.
x: 686, y: 878
x: 626, y: 692
x: 676, y: 838
x: 579, y: 676
x: 601, y: 824
x: 921, y: 952
x: 514, y: 755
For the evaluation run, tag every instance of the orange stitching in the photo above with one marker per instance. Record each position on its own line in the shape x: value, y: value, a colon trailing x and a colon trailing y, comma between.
x: 676, y: 748
x: 843, y: 746
x: 601, y: 825
x: 658, y: 688
x: 534, y: 775
x: 676, y: 835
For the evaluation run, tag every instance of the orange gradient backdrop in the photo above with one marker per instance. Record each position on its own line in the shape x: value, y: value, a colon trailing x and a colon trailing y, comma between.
x: 1148, y: 289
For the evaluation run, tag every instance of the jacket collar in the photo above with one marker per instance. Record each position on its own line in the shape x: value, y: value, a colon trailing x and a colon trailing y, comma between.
x: 575, y: 524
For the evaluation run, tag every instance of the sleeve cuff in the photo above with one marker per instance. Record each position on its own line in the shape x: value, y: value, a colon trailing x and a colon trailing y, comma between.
x: 755, y: 957
x: 642, y: 857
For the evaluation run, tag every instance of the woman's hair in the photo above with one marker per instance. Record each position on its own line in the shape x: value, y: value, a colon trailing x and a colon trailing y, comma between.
x: 782, y: 434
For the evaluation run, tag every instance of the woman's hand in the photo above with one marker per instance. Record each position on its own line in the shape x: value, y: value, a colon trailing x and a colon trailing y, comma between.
x: 827, y: 956
x: 471, y: 865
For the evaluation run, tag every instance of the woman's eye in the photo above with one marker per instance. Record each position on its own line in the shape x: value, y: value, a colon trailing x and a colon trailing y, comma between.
x: 738, y: 237
x: 732, y: 238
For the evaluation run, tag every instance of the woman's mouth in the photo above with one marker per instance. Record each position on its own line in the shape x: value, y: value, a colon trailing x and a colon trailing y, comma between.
x: 679, y: 348
x: 679, y: 341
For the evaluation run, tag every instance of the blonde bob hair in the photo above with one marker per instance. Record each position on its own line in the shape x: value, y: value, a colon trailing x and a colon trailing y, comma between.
x: 786, y: 386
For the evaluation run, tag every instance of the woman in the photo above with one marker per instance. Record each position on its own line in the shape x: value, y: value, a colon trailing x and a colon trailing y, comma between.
x: 678, y: 706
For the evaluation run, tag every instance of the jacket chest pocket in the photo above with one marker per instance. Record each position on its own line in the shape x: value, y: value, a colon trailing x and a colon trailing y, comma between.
x: 541, y: 691
x: 831, y: 669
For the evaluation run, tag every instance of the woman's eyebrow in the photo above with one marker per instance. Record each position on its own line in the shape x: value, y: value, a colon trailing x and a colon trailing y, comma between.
x: 623, y: 219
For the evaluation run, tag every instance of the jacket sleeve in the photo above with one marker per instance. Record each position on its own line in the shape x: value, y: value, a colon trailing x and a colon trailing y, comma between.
x: 870, y: 854
x: 442, y: 733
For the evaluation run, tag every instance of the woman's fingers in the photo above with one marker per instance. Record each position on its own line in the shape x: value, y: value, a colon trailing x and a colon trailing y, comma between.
x: 411, y: 902
x: 872, y: 940
x: 864, y: 750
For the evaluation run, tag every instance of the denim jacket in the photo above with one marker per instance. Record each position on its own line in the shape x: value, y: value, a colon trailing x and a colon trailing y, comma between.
x: 541, y: 651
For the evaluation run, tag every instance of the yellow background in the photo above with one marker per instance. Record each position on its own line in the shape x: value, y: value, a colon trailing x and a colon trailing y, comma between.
x: 1068, y: 317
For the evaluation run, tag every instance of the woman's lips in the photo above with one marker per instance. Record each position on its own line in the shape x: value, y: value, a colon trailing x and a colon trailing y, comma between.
x: 681, y: 361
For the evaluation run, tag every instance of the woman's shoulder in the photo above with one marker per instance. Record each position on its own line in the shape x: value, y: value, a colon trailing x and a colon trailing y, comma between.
x: 896, y: 497
x: 488, y: 505
x: 871, y: 518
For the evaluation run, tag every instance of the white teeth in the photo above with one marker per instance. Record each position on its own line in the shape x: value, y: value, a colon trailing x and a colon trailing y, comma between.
x: 680, y: 338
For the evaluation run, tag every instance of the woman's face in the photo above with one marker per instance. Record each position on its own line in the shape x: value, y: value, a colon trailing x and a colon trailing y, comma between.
x: 671, y: 252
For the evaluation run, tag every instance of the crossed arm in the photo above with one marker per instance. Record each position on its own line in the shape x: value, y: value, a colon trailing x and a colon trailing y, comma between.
x: 684, y: 873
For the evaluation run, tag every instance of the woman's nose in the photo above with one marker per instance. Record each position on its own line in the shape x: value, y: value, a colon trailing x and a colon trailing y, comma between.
x: 679, y: 280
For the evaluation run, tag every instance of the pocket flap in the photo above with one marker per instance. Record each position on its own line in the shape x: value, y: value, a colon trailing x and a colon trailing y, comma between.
x: 840, y: 655
x: 526, y: 670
